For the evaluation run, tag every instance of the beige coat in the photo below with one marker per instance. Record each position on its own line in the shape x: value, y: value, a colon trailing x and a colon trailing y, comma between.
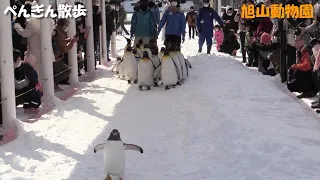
x: 32, y: 33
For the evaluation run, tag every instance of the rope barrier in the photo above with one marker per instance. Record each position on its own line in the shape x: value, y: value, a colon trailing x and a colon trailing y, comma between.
x: 24, y: 93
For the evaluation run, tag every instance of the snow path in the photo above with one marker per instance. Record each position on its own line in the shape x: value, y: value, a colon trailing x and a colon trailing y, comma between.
x: 225, y: 123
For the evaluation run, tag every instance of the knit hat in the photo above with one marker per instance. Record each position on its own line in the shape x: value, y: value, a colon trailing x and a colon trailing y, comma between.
x: 265, y: 38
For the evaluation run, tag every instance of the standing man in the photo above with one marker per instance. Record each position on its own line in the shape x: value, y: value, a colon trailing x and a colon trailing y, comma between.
x: 143, y: 23
x: 191, y: 19
x: 175, y: 25
x: 205, y: 26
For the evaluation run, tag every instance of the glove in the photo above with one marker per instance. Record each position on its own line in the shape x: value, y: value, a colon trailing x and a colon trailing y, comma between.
x: 38, y: 87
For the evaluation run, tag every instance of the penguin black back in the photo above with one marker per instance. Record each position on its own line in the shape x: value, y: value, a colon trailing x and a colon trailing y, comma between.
x: 129, y: 48
x: 114, y: 136
x: 171, y: 49
x: 140, y: 41
x: 145, y: 46
x: 178, y: 48
x: 145, y: 54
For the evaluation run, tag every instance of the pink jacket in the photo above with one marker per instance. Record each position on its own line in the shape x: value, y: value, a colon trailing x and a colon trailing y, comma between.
x: 218, y: 35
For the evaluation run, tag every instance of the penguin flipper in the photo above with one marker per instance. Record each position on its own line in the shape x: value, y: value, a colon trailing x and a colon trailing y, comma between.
x: 98, y: 147
x: 188, y: 63
x: 132, y: 147
x: 157, y: 72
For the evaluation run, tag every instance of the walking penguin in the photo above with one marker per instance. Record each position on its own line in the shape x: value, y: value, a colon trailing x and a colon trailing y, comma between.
x: 114, y: 154
x: 145, y: 72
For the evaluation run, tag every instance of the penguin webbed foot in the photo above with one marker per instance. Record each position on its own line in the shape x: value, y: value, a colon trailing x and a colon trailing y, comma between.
x: 148, y: 88
x: 135, y: 81
x: 140, y: 88
x: 129, y: 82
x: 179, y: 83
x: 166, y: 88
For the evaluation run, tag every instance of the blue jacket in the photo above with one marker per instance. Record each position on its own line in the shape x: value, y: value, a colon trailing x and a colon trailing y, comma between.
x: 143, y: 23
x: 205, y: 18
x: 175, y: 23
x: 156, y: 14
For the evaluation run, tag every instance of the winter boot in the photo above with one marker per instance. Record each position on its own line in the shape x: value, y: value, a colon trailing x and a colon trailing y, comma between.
x: 209, y: 49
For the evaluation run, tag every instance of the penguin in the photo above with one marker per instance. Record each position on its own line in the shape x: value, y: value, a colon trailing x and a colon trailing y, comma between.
x: 130, y: 66
x: 177, y: 64
x: 168, y: 71
x: 135, y: 53
x: 119, y: 67
x: 160, y: 55
x: 145, y: 72
x: 184, y: 67
x: 146, y: 48
x: 114, y: 154
x: 153, y: 46
x: 139, y: 48
x: 128, y: 43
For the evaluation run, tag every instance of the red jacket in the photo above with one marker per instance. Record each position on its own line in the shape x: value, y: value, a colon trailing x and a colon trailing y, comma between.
x: 305, y: 64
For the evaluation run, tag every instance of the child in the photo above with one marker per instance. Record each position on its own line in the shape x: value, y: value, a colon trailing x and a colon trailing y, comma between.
x: 218, y: 35
x: 32, y: 98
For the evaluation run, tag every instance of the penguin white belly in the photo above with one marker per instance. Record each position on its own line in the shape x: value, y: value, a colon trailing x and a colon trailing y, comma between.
x: 114, y: 158
x: 160, y: 55
x: 145, y: 73
x: 130, y: 66
x: 177, y: 64
x: 168, y: 72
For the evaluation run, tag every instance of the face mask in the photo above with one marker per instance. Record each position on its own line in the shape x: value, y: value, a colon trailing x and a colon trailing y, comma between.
x: 206, y: 5
x: 65, y: 28
x: 174, y: 3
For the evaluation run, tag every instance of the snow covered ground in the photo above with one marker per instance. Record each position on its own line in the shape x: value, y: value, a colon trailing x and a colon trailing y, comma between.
x: 226, y: 122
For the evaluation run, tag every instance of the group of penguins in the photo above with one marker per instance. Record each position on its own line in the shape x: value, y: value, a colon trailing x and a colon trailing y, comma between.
x: 149, y: 68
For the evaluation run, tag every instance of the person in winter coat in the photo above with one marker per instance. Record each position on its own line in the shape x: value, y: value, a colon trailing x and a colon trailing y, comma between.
x: 273, y: 50
x: 242, y: 33
x: 166, y: 6
x: 110, y: 27
x: 301, y: 72
x: 122, y: 19
x: 31, y: 32
x: 32, y: 98
x: 218, y: 35
x: 191, y: 20
x: 229, y: 19
x: 97, y: 22
x: 143, y: 23
x: 205, y: 26
x: 175, y: 25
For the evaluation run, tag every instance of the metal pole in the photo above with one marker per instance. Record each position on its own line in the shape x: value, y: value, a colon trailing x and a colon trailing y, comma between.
x: 103, y: 43
x: 6, y: 64
x: 47, y: 58
x: 72, y: 54
x: 90, y: 43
